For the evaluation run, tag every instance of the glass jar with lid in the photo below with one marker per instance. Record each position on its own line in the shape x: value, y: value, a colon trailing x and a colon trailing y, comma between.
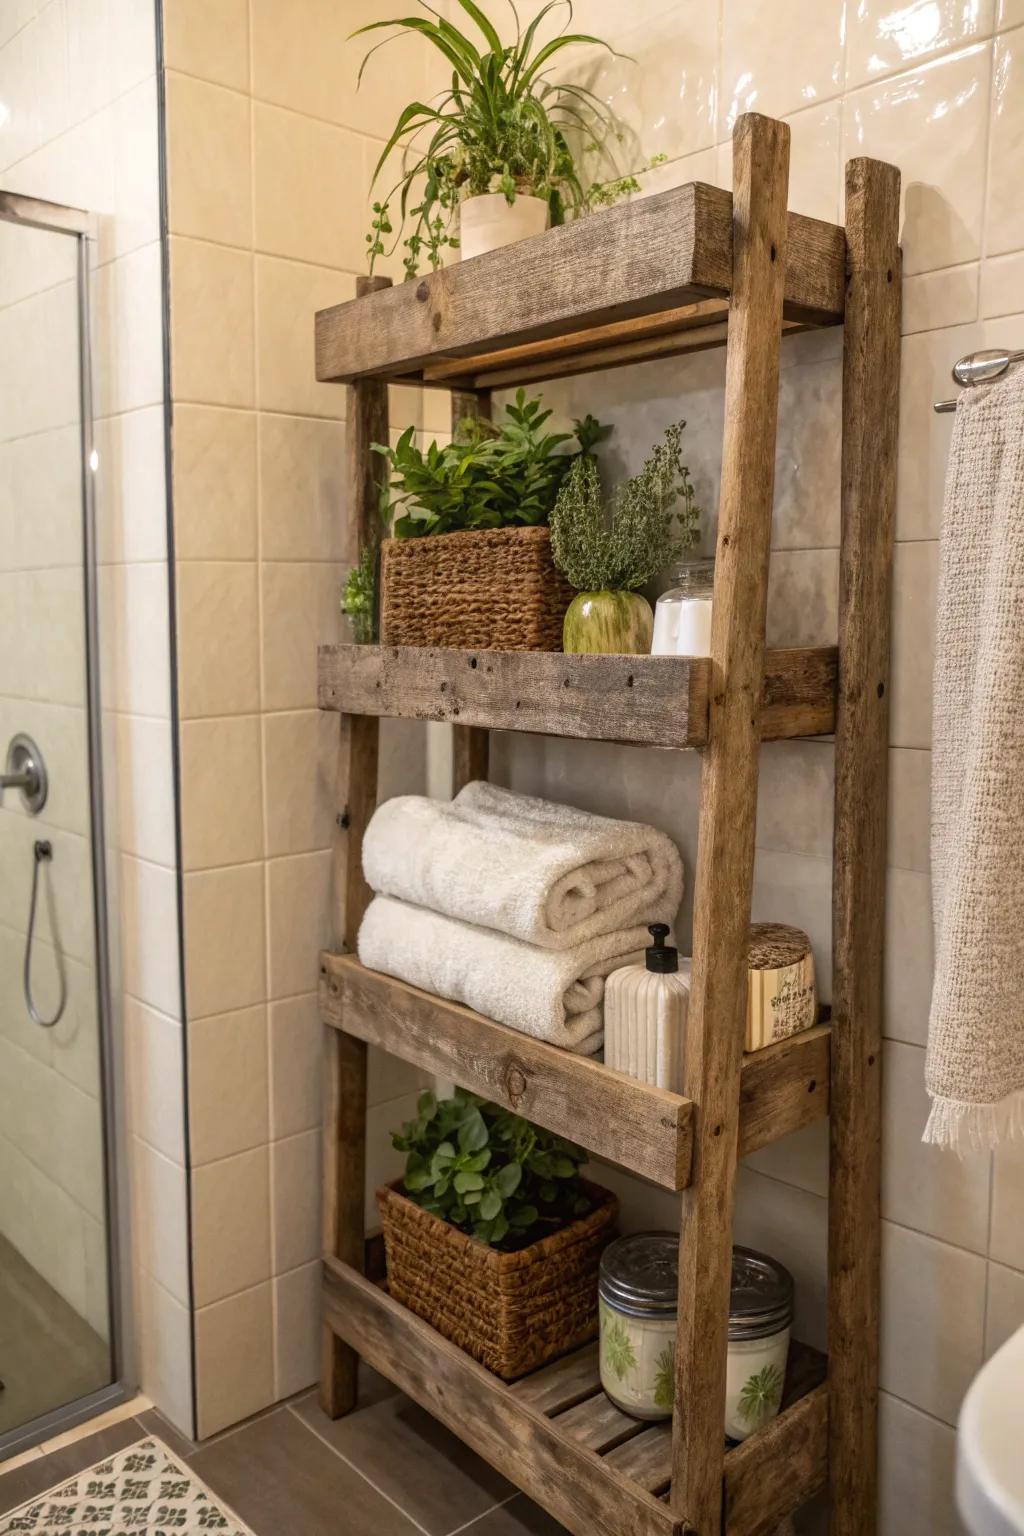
x: 682, y: 616
x: 760, y: 1316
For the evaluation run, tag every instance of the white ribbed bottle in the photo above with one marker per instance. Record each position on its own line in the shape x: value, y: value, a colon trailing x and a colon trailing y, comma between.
x: 645, y: 1010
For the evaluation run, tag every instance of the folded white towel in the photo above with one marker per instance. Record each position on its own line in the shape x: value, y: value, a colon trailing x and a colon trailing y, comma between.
x: 555, y: 995
x: 547, y: 874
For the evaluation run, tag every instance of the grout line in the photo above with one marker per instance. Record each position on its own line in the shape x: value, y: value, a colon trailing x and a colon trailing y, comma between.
x: 515, y: 1494
x: 358, y: 1470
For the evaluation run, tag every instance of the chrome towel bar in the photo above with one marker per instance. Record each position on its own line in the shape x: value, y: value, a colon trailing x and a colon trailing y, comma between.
x: 979, y: 368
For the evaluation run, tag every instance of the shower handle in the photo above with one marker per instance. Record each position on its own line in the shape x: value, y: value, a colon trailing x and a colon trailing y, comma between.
x: 26, y: 771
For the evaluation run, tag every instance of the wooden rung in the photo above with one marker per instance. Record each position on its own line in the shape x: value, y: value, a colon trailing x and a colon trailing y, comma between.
x: 562, y: 1384
x: 660, y: 701
x: 598, y: 1424
x: 647, y: 1460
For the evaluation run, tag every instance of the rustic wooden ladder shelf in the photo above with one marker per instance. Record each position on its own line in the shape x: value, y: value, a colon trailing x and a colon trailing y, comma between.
x: 693, y: 267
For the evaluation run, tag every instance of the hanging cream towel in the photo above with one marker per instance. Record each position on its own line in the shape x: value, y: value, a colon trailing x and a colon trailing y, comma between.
x: 555, y: 994
x: 975, y: 1061
x: 543, y: 873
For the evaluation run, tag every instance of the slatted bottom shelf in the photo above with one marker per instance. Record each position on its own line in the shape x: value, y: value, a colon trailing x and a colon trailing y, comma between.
x: 557, y: 1437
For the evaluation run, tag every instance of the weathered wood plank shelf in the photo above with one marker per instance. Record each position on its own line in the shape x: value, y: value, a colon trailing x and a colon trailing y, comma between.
x: 657, y: 701
x: 596, y: 1470
x: 640, y: 1127
x: 650, y: 278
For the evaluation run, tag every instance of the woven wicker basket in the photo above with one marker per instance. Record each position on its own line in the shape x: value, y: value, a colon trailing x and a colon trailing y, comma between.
x: 512, y: 1311
x: 496, y: 589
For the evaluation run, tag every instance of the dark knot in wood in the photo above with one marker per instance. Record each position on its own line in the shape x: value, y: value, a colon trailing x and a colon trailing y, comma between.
x: 515, y: 1083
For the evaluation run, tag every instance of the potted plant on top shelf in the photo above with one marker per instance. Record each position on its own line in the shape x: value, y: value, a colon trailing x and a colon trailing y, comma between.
x: 468, y: 564
x: 501, y: 151
x: 492, y: 1235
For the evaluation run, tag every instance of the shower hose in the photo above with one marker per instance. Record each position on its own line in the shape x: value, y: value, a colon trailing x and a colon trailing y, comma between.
x: 41, y: 853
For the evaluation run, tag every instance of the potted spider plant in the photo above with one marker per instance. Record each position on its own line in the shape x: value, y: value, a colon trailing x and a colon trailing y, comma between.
x: 499, y: 154
x: 607, y: 550
x: 492, y: 1235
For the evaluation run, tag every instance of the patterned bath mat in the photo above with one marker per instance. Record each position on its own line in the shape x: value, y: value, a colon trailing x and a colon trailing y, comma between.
x: 141, y: 1491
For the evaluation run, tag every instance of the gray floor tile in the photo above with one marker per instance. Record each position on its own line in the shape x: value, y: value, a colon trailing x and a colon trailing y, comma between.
x: 154, y: 1423
x: 436, y: 1479
x: 283, y: 1481
x: 519, y: 1517
x: 35, y: 1477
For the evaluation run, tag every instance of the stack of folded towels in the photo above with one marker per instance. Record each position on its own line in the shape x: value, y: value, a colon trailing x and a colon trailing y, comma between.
x: 517, y: 907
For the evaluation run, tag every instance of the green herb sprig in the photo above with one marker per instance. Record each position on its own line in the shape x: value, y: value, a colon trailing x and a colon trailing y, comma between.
x: 489, y: 1172
x: 619, y: 545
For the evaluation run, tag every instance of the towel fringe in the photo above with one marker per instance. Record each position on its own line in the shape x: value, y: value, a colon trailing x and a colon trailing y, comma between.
x: 975, y: 1127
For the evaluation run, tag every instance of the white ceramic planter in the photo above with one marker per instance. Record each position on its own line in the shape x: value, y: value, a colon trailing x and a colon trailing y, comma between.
x: 488, y: 222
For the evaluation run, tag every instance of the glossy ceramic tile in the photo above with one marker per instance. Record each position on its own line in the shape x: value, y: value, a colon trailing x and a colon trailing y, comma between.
x: 209, y: 179
x: 1005, y: 222
x: 790, y: 1224
x: 908, y: 956
x: 296, y: 1046
x: 915, y: 589
x: 796, y: 785
x: 778, y: 58
x: 41, y: 491
x: 915, y: 1473
x: 1005, y: 1313
x: 145, y: 788
x: 926, y: 376
x: 288, y: 295
x: 300, y: 611
x: 297, y: 1329
x: 1007, y: 1240
x: 909, y: 809
x: 159, y: 1219
x: 225, y: 957
x: 295, y: 1176
x: 212, y: 359
x: 218, y: 650
x: 234, y: 1359
x: 882, y: 38
x: 149, y: 935
x: 221, y: 791
x: 127, y: 332
x: 131, y: 500
x: 933, y: 1311
x: 935, y: 299
x: 304, y: 493
x: 231, y: 1225
x: 299, y: 920
x: 135, y: 659
x: 154, y: 1058
x: 133, y: 123
x: 215, y: 495
x: 931, y: 120
x: 306, y: 155
x: 1002, y: 285
x: 814, y: 162
x: 300, y: 760
x: 227, y: 1084
x: 209, y: 42
x: 164, y: 1332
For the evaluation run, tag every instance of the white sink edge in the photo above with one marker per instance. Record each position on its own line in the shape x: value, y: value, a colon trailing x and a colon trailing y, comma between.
x: 990, y: 1446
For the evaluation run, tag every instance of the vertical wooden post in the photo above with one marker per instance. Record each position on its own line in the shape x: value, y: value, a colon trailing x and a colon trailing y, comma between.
x: 344, y: 1120
x: 871, y: 372
x: 725, y: 851
x: 470, y: 743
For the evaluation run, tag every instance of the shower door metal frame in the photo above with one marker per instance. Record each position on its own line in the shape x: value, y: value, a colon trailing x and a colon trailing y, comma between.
x: 81, y: 226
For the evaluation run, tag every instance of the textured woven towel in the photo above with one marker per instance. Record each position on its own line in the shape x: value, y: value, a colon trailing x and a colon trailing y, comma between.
x: 543, y: 873
x: 975, y: 1062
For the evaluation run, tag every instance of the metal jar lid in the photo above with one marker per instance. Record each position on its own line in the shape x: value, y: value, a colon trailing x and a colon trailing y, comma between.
x: 640, y: 1274
x: 761, y: 1299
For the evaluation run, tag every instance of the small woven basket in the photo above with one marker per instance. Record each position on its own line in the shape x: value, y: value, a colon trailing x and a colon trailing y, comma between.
x: 495, y: 589
x: 511, y: 1311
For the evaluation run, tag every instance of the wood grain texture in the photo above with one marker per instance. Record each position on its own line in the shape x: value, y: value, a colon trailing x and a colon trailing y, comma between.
x: 725, y: 850
x: 783, y: 1088
x: 641, y: 258
x: 571, y: 1482
x: 871, y: 370
x: 598, y: 1424
x: 471, y: 744
x: 658, y: 701
x: 631, y: 1123
x: 779, y: 1469
x: 562, y: 1384
x: 367, y: 423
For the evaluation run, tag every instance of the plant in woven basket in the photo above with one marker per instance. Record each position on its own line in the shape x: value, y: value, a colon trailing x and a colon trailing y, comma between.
x: 503, y: 129
x: 492, y: 476
x: 490, y: 1172
x: 608, y: 549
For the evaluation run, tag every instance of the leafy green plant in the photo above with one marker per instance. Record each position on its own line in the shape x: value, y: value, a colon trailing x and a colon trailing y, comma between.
x: 489, y: 477
x: 761, y: 1396
x: 616, y: 1346
x: 359, y: 597
x: 619, y: 545
x: 503, y: 125
x: 665, y: 1377
x: 489, y: 1172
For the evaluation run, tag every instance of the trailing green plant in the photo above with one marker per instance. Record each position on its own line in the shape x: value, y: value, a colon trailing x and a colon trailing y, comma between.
x: 503, y: 125
x: 490, y: 1172
x: 359, y: 597
x: 491, y: 476
x: 620, y: 544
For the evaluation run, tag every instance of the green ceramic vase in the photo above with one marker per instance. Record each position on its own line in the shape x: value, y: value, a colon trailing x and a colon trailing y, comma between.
x: 608, y: 624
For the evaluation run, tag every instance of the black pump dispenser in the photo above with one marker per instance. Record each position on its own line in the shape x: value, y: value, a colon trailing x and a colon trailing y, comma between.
x: 660, y: 956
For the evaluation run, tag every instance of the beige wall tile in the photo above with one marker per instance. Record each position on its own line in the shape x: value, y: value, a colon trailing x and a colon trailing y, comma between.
x: 1010, y: 13
x: 149, y: 935
x: 159, y: 1219
x: 925, y: 376
x: 1005, y: 1311
x: 218, y: 645
x: 1002, y: 285
x: 306, y: 156
x: 234, y: 1359
x: 133, y: 121
x: 296, y: 1330
x: 298, y: 920
x: 915, y: 587
x: 792, y: 888
x: 909, y: 959
x: 48, y: 605
x: 131, y: 496
x: 210, y: 41
x: 288, y: 295
x: 212, y: 319
x: 230, y: 1226
x: 935, y: 299
x: 163, y: 1328
x: 300, y: 752
x: 933, y: 1310
x: 664, y: 95
x: 815, y: 168
x: 128, y: 333
x: 790, y: 1224
x: 295, y: 1177
x: 61, y: 731
x: 154, y: 1063
x: 917, y: 1455
x: 935, y: 114
x: 882, y: 39
x: 389, y: 1078
x: 41, y: 508
x: 803, y: 597
x: 221, y: 791
x: 796, y: 786
x: 305, y: 509
x: 1007, y: 1242
x: 214, y: 483
x: 910, y: 773
x: 1005, y: 217
x: 946, y: 1197
x: 227, y: 1084
x: 209, y: 174
x: 225, y: 953
x: 800, y: 1159
x: 135, y: 658
x: 300, y: 611
x: 778, y: 58
x: 296, y: 1050
x: 145, y: 788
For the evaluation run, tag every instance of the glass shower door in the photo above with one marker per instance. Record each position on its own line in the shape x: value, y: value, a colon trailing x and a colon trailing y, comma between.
x: 56, y: 1341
